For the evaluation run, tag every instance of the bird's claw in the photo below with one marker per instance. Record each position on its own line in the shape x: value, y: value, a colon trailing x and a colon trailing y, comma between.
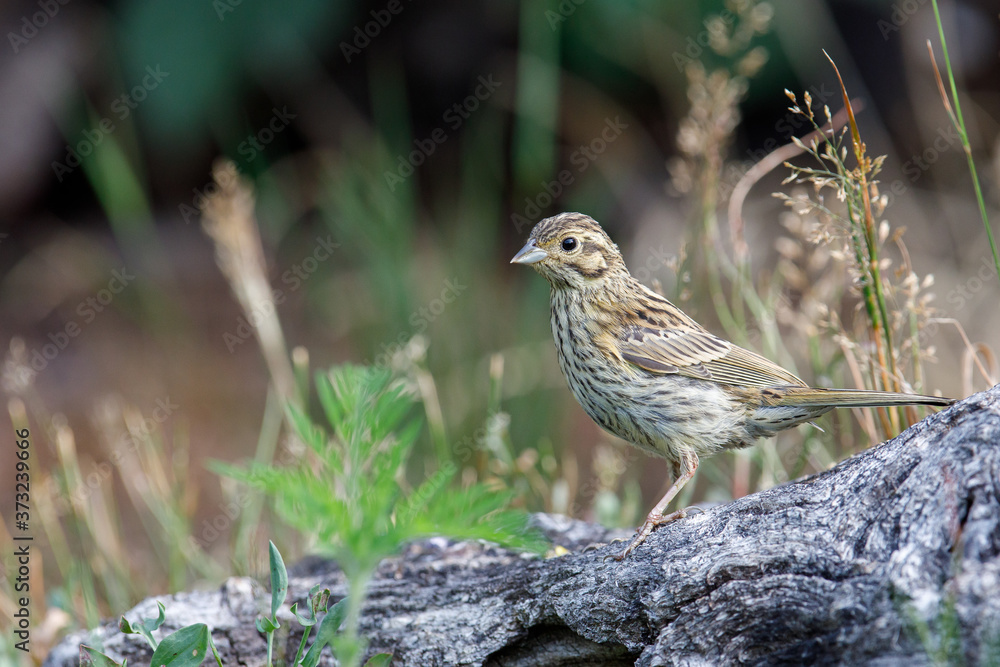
x: 647, y: 528
x: 618, y: 557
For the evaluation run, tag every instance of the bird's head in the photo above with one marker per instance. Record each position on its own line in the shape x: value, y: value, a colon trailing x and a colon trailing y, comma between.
x: 571, y: 250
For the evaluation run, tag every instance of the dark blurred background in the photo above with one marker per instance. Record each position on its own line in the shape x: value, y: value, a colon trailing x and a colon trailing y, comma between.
x: 400, y: 152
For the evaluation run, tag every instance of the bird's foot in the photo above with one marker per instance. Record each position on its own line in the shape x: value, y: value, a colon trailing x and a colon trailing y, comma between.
x: 645, y: 530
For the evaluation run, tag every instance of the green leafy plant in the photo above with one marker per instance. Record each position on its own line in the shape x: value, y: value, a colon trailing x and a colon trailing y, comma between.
x: 144, y: 627
x: 186, y: 647
x: 91, y: 657
x: 347, y: 488
x: 327, y: 627
x: 942, y: 636
x: 316, y: 613
x: 279, y: 589
x: 945, y: 640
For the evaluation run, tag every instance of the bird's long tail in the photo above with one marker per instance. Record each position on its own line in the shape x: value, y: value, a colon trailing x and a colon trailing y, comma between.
x: 846, y: 398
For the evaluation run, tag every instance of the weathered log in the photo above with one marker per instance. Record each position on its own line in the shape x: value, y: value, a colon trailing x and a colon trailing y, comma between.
x: 841, y: 567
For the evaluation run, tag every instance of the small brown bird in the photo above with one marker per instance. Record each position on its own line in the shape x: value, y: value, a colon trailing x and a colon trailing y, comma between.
x: 651, y: 375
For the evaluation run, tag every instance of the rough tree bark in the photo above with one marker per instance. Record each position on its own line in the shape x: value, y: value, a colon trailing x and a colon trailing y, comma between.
x: 842, y: 567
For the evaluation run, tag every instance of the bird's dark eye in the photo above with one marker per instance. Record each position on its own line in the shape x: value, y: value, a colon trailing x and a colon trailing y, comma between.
x: 568, y: 244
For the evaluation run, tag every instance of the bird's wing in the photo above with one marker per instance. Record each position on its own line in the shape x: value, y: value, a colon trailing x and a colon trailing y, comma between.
x: 699, y: 354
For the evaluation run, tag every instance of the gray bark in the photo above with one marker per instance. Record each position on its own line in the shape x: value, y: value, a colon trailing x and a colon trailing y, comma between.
x: 843, y: 567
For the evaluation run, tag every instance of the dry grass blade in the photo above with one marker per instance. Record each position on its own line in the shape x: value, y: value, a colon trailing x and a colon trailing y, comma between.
x: 770, y: 162
x: 863, y: 416
x: 228, y: 218
x: 940, y: 85
x: 971, y: 356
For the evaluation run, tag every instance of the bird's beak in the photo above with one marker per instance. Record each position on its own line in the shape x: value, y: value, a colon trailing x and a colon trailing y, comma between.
x: 529, y: 254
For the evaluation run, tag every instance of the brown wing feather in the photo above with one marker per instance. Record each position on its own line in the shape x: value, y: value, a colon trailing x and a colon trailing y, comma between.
x: 699, y: 354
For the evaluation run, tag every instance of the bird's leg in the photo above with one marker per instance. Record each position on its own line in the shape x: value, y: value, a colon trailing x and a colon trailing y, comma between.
x: 688, y: 466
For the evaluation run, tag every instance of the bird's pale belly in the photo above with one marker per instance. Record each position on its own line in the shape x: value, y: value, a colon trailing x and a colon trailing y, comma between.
x: 664, y: 415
